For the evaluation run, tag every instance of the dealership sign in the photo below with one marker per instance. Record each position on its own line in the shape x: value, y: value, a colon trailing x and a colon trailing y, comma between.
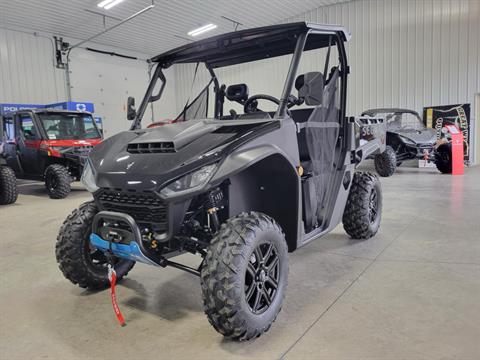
x: 68, y: 105
x: 438, y: 117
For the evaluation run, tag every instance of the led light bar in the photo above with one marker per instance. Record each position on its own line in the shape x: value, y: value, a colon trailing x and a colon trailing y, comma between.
x: 202, y: 29
x: 107, y: 4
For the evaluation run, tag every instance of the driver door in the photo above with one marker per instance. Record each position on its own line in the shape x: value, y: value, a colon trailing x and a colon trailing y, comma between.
x: 10, y: 143
x: 28, y: 144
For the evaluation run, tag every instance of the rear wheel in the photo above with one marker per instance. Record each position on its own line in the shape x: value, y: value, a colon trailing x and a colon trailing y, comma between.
x: 79, y: 261
x: 386, y: 162
x: 244, y: 276
x: 57, y: 181
x: 8, y: 186
x: 363, y: 211
x: 443, y: 158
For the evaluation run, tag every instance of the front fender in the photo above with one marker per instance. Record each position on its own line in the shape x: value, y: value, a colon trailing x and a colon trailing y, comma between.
x: 243, y: 158
x: 264, y: 179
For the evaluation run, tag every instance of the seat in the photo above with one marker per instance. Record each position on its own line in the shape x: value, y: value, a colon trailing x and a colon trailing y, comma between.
x: 310, y: 88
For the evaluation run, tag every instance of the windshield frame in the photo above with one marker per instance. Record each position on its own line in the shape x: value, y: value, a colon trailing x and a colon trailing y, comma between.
x: 394, y: 117
x: 81, y: 115
x: 281, y: 112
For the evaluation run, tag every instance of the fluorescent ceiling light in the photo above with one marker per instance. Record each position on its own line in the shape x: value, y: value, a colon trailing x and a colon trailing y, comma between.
x: 202, y: 29
x: 107, y: 4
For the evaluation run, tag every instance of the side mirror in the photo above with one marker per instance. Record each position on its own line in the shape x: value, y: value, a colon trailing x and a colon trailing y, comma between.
x: 131, y: 111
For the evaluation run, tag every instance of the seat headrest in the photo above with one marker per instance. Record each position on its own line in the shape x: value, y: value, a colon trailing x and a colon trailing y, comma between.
x: 310, y: 87
x: 237, y: 92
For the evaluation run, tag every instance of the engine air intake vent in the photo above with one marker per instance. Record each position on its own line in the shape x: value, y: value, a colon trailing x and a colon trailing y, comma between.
x: 150, y: 148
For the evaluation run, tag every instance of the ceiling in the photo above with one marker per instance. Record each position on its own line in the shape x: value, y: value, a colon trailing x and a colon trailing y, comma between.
x: 153, y: 32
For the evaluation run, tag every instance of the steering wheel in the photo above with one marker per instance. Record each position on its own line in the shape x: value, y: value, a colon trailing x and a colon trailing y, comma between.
x: 250, y: 105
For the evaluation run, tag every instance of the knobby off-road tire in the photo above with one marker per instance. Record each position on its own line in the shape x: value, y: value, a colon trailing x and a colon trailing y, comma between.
x: 231, y: 276
x: 79, y: 262
x: 363, y: 211
x: 57, y: 181
x: 443, y: 160
x: 8, y: 186
x: 386, y: 162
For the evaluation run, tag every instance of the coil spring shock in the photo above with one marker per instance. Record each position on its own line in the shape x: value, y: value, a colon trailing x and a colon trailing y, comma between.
x: 214, y: 198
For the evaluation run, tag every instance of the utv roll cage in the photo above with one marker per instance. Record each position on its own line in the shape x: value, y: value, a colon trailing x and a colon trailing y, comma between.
x: 251, y: 45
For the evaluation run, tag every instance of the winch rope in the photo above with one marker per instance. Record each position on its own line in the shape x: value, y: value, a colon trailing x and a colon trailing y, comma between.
x: 112, y: 277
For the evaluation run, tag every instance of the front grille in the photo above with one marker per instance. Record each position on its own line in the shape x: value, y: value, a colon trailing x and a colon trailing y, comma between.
x: 149, y: 148
x: 145, y: 207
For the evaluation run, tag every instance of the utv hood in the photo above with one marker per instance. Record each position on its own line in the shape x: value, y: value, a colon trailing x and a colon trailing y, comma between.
x: 425, y: 136
x: 147, y: 158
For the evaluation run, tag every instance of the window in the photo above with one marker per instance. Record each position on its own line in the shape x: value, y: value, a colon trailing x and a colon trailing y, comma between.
x: 68, y: 126
x: 28, y: 127
x: 8, y: 128
x: 403, y: 121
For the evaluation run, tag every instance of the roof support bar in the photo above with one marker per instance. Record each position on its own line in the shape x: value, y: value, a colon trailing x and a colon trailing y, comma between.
x: 292, y: 71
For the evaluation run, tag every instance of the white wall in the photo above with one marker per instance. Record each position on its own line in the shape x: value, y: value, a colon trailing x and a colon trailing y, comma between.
x: 28, y: 75
x: 409, y: 53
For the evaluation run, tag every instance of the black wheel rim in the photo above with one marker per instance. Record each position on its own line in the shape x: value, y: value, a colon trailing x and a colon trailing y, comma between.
x: 373, y: 206
x: 52, y: 182
x: 262, y: 278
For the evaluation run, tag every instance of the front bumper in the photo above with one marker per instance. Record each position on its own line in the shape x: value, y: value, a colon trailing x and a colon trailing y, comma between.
x: 420, y: 151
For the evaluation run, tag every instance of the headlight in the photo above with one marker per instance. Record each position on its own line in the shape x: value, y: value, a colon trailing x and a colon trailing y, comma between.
x: 190, y: 182
x: 88, y: 178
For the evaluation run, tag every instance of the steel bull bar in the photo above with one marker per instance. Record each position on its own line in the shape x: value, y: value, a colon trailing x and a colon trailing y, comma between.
x: 135, y: 249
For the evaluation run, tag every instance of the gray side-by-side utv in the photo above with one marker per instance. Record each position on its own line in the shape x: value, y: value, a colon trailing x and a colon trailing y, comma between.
x: 408, y: 138
x: 241, y: 190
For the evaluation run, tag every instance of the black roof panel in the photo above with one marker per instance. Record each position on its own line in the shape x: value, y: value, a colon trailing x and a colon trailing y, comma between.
x: 248, y: 45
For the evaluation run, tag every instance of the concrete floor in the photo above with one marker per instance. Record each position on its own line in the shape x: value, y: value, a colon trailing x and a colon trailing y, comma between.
x: 412, y: 292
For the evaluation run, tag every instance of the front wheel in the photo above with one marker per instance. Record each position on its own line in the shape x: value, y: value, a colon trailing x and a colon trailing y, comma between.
x: 8, y: 186
x: 79, y: 261
x: 443, y: 159
x: 363, y: 211
x: 57, y: 181
x: 386, y: 162
x: 244, y: 276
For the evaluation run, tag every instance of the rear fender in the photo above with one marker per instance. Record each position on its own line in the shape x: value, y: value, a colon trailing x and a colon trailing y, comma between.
x: 264, y: 179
